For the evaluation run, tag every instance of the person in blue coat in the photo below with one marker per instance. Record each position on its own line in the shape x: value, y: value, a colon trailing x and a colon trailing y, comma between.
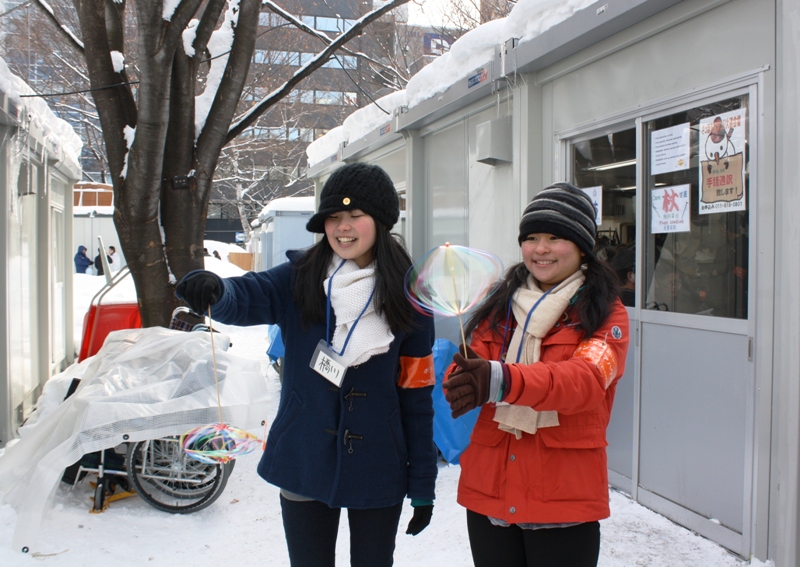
x: 82, y: 261
x: 354, y: 427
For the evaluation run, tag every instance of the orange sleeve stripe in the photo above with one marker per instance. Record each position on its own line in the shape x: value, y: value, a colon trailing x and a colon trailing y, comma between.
x: 416, y: 372
x: 599, y: 353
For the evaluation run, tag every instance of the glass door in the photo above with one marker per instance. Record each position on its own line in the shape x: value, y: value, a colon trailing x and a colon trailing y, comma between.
x: 697, y: 238
x: 674, y: 199
x: 697, y: 374
x: 604, y: 165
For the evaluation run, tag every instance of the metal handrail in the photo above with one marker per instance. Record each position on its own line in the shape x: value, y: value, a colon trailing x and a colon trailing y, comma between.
x: 111, y: 282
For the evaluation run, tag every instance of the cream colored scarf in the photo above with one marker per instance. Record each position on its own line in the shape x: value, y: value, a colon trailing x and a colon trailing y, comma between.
x: 350, y: 290
x: 519, y: 419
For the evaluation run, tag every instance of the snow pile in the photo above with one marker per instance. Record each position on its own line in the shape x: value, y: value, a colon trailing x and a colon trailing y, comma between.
x: 219, y: 47
x: 528, y: 19
x: 188, y: 37
x: 325, y: 146
x: 531, y: 18
x: 98, y: 210
x: 287, y: 204
x: 59, y: 137
x: 372, y: 116
x: 118, y: 61
x: 223, y: 267
x: 246, y: 520
x: 168, y: 9
x: 469, y: 52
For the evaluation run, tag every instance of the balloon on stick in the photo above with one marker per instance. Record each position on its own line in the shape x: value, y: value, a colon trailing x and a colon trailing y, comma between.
x: 217, y: 442
x: 450, y: 280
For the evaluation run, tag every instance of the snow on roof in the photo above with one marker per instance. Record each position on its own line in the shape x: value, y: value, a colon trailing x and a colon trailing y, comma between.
x: 356, y: 125
x: 469, y: 52
x: 371, y: 116
x: 528, y: 19
x: 59, y: 136
x: 531, y: 18
x: 99, y: 211
x: 325, y: 146
x: 302, y: 204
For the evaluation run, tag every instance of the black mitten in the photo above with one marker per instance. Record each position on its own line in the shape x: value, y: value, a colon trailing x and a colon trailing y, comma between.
x: 420, y: 519
x: 199, y: 290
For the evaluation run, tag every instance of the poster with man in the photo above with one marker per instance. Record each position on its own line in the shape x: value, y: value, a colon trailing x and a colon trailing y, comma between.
x: 722, y: 140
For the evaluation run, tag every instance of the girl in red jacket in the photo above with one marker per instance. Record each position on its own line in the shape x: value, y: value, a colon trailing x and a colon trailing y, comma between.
x: 547, y: 348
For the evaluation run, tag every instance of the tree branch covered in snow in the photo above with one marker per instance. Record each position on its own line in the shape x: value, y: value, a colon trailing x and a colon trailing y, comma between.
x: 61, y: 28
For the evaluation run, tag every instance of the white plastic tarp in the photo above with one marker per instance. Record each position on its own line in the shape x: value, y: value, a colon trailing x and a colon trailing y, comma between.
x: 143, y: 384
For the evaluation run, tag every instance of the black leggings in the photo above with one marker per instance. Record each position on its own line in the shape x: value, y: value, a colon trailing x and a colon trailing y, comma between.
x: 311, y: 529
x: 578, y: 546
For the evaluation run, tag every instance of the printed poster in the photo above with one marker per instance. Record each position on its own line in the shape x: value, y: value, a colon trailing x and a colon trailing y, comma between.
x: 670, y: 209
x: 596, y: 195
x: 722, y: 163
x: 669, y: 149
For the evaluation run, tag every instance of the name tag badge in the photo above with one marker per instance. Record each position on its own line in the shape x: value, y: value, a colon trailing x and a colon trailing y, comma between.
x: 326, y: 363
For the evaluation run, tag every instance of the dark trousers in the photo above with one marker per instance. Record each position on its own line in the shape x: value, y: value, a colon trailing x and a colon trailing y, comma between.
x: 311, y: 529
x: 578, y: 546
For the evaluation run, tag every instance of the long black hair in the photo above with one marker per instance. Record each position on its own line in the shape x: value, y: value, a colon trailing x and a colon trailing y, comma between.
x: 592, y: 306
x: 392, y: 261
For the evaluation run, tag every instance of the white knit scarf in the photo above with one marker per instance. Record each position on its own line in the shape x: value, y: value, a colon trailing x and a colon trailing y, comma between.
x: 350, y: 290
x: 518, y: 419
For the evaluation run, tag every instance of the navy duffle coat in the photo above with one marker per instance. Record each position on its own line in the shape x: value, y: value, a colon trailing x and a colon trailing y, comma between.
x: 366, y: 444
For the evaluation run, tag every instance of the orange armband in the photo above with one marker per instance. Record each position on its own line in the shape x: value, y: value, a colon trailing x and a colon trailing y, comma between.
x: 416, y: 372
x: 599, y: 353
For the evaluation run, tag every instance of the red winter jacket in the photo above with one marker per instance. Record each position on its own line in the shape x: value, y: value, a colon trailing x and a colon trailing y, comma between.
x: 559, y: 474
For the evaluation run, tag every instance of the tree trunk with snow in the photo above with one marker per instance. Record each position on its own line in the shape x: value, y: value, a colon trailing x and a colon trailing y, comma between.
x: 163, y: 143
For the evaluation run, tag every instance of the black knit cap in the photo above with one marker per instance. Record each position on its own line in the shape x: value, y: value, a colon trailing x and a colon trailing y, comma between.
x: 562, y: 210
x: 358, y: 186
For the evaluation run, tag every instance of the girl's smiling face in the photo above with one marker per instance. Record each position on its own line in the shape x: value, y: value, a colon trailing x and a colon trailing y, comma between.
x: 550, y: 259
x: 351, y: 234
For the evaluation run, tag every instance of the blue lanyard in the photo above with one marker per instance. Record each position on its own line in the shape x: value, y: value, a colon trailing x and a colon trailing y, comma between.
x: 527, y: 320
x: 507, y: 328
x: 328, y: 314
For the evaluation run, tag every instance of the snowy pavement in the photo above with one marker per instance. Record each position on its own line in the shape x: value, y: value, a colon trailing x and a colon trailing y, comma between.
x: 244, y: 527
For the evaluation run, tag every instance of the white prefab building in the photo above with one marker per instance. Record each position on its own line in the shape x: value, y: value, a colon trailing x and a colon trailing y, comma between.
x: 38, y: 167
x: 681, y: 119
x: 93, y: 217
x: 281, y: 226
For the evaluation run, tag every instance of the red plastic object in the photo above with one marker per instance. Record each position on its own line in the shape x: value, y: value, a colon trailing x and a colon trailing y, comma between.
x: 100, y: 320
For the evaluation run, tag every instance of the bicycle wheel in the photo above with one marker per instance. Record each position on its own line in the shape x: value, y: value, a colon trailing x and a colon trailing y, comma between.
x: 167, y: 479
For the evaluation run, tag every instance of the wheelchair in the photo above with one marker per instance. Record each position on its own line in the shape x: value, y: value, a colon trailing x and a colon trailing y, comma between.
x: 158, y: 470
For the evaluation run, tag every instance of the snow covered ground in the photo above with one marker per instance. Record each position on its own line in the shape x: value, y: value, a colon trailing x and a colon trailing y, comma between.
x: 244, y: 526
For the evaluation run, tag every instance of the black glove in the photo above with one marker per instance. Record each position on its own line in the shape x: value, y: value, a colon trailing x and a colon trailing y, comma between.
x: 420, y: 519
x: 199, y: 290
x: 468, y: 386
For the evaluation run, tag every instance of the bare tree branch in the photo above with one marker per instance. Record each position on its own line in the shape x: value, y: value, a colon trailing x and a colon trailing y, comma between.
x: 62, y: 29
x: 316, y: 62
x: 299, y: 24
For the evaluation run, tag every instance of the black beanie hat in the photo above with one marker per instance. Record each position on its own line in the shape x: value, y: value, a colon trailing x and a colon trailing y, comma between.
x: 358, y: 186
x: 564, y: 211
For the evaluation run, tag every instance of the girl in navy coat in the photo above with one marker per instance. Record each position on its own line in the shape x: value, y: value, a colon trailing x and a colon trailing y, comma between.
x: 354, y: 427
